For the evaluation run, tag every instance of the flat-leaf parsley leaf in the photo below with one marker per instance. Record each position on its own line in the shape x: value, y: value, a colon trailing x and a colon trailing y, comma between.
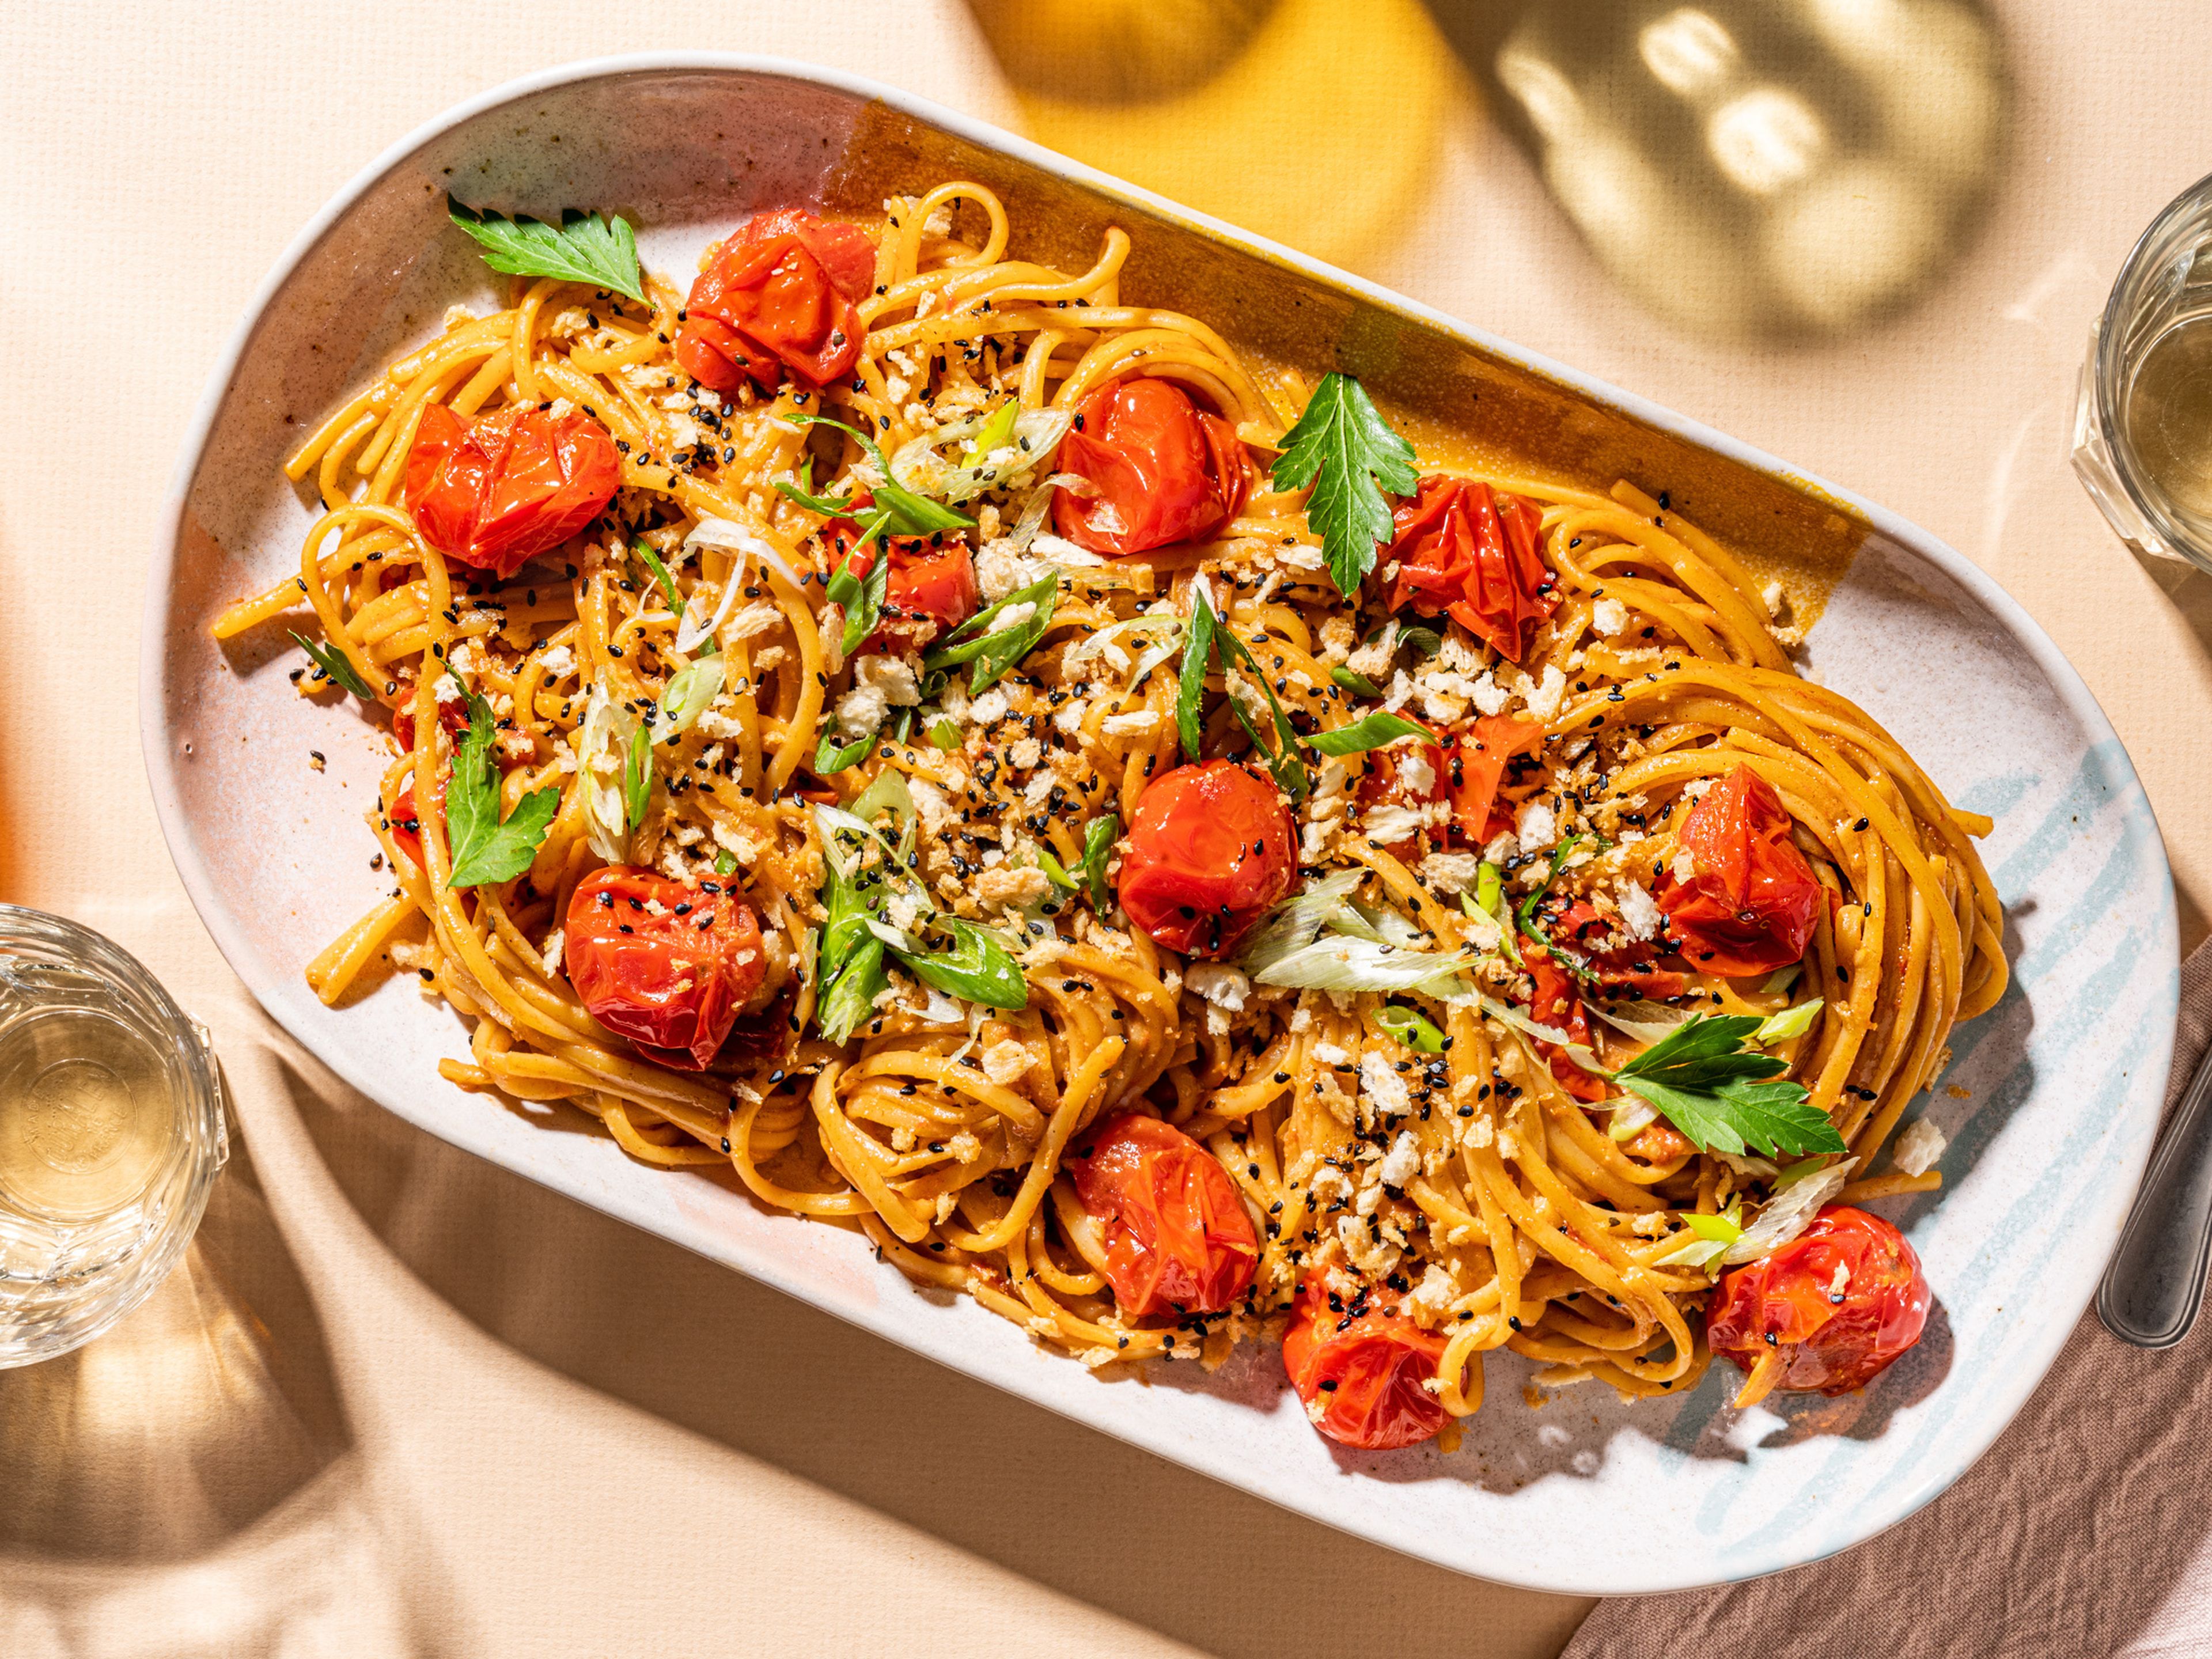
x: 1344, y: 447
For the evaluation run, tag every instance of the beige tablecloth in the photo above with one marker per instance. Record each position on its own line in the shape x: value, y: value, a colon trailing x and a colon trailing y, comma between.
x: 400, y: 1401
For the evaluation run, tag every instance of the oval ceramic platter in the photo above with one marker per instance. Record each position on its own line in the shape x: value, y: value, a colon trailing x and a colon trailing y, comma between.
x: 2050, y: 1102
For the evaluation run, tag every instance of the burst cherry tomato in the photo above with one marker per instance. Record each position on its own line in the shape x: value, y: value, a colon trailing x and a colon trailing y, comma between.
x: 1403, y: 776
x: 1622, y: 967
x: 1475, y: 766
x: 1557, y: 1003
x: 1462, y: 550
x: 1177, y: 1237
x: 496, y: 491
x: 1831, y: 1309
x: 1211, y: 848
x: 1750, y: 905
x: 1361, y: 1375
x: 407, y: 827
x: 664, y: 964
x: 1165, y: 470
x: 778, y: 296
x: 931, y: 589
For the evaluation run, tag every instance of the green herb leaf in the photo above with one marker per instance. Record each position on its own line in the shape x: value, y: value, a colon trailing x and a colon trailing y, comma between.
x: 995, y: 651
x: 837, y: 507
x: 484, y: 849
x: 1098, y: 837
x: 1411, y: 1028
x: 1790, y: 1023
x: 1359, y: 683
x: 1725, y: 1098
x: 1525, y: 917
x: 976, y: 968
x: 1371, y: 732
x: 637, y: 777
x: 1054, y: 870
x: 725, y: 862
x: 831, y: 757
x: 582, y: 248
x: 335, y: 668
x: 1423, y: 641
x: 1344, y: 447
x: 909, y: 514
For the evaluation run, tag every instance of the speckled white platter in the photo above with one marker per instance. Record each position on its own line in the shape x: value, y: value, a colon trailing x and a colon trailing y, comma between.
x: 2063, y: 1080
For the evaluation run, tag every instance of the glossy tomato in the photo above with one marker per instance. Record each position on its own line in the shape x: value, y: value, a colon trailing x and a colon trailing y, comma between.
x: 1461, y: 549
x: 1211, y: 846
x: 1832, y: 1308
x: 407, y: 827
x: 1403, y: 775
x: 1475, y: 766
x: 1177, y: 1236
x: 1751, y: 904
x: 1361, y: 1375
x: 664, y: 963
x: 1557, y: 1003
x: 779, y: 295
x: 1620, y: 966
x: 496, y: 491
x: 1162, y: 470
x: 931, y: 588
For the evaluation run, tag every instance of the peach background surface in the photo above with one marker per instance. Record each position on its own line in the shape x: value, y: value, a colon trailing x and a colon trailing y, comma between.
x: 400, y: 1401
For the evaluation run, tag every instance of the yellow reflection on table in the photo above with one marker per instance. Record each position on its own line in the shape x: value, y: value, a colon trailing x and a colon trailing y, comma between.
x: 1314, y: 122
x: 1750, y: 167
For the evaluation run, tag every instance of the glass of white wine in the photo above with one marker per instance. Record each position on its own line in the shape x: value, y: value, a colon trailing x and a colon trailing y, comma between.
x: 112, y: 1133
x: 2142, y: 423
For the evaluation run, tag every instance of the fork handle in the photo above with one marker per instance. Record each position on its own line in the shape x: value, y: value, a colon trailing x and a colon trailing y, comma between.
x: 2151, y: 1291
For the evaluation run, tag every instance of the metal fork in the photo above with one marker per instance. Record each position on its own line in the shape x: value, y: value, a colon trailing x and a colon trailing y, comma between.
x: 2151, y: 1290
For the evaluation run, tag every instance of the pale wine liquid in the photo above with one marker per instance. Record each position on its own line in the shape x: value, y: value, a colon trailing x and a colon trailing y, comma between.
x: 87, y: 1119
x: 2168, y: 417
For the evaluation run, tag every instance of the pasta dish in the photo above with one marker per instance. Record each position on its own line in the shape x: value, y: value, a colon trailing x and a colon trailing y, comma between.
x: 988, y: 765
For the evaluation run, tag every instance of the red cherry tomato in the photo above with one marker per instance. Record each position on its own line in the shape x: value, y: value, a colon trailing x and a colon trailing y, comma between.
x: 778, y: 296
x: 664, y: 964
x: 1177, y: 1237
x: 931, y: 589
x: 1752, y: 904
x: 407, y: 827
x: 1557, y: 1003
x: 1476, y: 764
x: 1361, y: 1375
x: 1165, y: 470
x: 1403, y: 777
x: 1461, y: 549
x: 496, y: 492
x: 1211, y: 848
x: 1831, y: 1308
x: 1621, y: 966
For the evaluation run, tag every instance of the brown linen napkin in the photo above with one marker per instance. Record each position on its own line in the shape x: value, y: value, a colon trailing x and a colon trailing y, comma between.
x: 2087, y: 1529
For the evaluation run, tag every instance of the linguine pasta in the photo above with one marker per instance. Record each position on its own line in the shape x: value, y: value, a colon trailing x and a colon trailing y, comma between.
x: 1469, y: 1182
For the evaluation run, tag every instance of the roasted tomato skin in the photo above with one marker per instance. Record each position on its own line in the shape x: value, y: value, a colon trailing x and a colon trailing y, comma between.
x: 496, y: 491
x: 663, y: 981
x: 1211, y: 847
x: 1752, y: 904
x: 1829, y: 1340
x: 1461, y: 549
x: 778, y: 298
x: 1164, y: 470
x: 1475, y: 766
x: 931, y: 589
x: 1556, y: 1002
x: 407, y: 827
x: 1378, y: 1363
x: 1177, y: 1236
